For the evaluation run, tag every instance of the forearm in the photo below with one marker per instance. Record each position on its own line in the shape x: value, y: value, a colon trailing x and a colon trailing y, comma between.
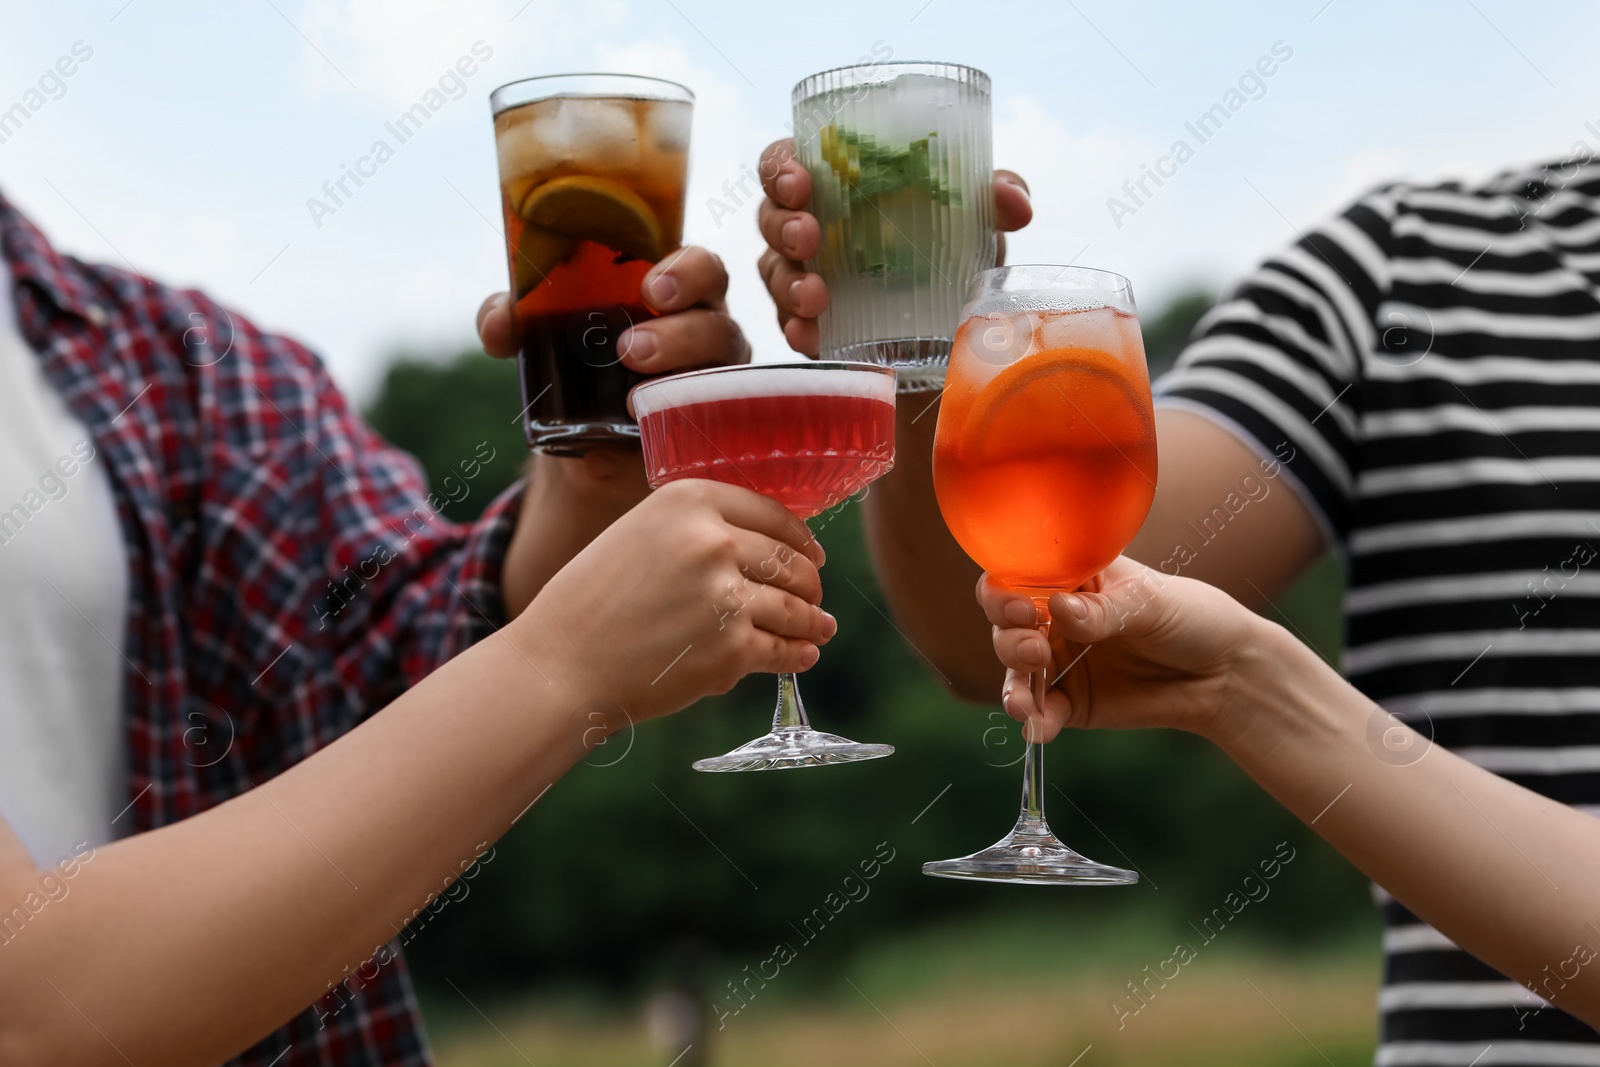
x: 1509, y: 875
x: 1223, y: 515
x: 568, y: 503
x: 927, y: 578
x: 186, y: 944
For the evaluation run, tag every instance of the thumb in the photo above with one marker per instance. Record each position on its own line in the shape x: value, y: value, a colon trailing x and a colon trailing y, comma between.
x: 1013, y: 208
x: 494, y: 326
x: 1127, y: 592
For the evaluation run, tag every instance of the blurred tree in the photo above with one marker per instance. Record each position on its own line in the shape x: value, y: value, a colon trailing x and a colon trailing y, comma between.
x: 441, y: 412
x: 633, y: 855
x: 1168, y: 330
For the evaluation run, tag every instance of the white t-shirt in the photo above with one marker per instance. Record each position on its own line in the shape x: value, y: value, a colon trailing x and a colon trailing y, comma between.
x: 63, y: 606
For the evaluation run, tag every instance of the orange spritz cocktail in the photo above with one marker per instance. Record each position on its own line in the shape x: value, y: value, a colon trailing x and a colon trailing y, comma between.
x: 1045, y: 460
x: 1044, y: 464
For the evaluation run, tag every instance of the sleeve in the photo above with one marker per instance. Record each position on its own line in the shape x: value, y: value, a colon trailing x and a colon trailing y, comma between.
x: 326, y: 577
x: 1278, y: 362
x: 430, y: 587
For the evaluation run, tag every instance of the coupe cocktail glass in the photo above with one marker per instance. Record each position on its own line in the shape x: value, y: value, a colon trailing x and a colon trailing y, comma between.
x: 1044, y: 463
x: 808, y: 435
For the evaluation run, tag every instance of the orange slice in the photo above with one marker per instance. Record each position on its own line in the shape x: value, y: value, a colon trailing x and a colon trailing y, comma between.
x: 581, y: 207
x: 1052, y: 400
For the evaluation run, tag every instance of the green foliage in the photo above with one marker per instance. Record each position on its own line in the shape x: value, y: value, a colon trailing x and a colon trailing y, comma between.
x: 634, y: 866
x: 442, y: 412
x: 1168, y: 330
x: 1314, y: 608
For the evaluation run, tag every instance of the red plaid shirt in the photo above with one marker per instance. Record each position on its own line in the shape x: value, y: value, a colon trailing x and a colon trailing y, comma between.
x: 261, y: 624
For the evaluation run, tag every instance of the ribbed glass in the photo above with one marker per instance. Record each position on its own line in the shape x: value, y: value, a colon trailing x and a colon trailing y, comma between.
x: 901, y: 165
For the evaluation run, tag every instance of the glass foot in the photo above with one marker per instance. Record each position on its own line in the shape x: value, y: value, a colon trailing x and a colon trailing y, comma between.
x: 904, y: 354
x: 1030, y: 858
x: 787, y: 747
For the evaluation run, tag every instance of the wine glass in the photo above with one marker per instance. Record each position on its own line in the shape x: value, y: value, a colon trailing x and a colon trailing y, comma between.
x: 1044, y: 464
x: 808, y: 435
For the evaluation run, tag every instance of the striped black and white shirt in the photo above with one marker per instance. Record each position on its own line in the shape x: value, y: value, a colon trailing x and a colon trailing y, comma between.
x: 1432, y: 358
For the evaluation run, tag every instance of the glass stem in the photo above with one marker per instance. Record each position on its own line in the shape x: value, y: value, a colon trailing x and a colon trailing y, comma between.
x: 791, y: 714
x: 1031, y: 821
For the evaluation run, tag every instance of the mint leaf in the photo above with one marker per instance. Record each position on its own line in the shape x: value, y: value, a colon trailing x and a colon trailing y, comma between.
x: 869, y: 169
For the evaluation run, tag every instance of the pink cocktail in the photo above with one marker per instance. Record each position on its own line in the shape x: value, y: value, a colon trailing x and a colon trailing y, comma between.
x: 808, y: 435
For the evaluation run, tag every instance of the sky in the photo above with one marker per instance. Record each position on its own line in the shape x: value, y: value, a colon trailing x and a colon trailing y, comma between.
x: 191, y: 139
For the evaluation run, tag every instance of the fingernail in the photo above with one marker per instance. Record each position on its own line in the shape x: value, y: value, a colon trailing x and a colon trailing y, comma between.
x: 1035, y: 649
x: 809, y: 656
x: 785, y: 188
x: 794, y: 292
x: 664, y: 289
x: 830, y: 625
x: 1023, y: 189
x: 1076, y: 608
x: 638, y: 345
x: 790, y: 233
x: 1021, y: 613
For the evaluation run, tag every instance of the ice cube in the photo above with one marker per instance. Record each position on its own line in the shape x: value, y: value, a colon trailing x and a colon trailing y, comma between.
x: 1094, y: 327
x: 925, y: 90
x: 667, y: 123
x: 520, y: 150
x: 914, y: 105
x: 590, y: 133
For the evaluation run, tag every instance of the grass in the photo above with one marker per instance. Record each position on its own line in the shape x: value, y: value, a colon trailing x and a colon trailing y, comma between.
x: 1001, y: 995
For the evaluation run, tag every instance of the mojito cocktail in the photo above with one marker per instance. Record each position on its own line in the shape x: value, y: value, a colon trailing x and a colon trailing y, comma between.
x: 902, y: 185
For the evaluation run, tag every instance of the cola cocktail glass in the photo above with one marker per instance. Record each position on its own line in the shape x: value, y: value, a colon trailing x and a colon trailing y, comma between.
x: 592, y: 171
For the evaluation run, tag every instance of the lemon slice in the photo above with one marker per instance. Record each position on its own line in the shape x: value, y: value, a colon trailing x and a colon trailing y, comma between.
x: 538, y: 253
x: 581, y: 207
x: 1052, y: 398
x: 835, y: 153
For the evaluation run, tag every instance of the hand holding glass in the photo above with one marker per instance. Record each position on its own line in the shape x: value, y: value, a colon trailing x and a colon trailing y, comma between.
x: 808, y: 435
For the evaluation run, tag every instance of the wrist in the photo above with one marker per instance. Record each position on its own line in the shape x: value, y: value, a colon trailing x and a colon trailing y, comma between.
x: 567, y: 502
x: 602, y: 470
x: 584, y: 494
x: 553, y: 677
x: 1276, y: 691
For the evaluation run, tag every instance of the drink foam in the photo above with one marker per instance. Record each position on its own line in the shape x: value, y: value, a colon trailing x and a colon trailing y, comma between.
x: 760, y: 380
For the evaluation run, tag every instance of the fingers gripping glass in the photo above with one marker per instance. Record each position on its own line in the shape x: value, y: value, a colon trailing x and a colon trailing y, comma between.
x: 808, y: 435
x: 1044, y: 464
